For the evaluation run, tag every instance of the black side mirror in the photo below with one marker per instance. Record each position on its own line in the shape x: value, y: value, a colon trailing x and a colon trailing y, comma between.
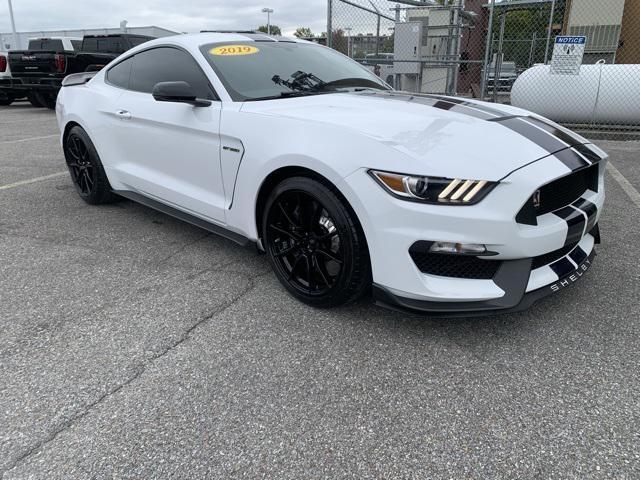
x: 179, y: 92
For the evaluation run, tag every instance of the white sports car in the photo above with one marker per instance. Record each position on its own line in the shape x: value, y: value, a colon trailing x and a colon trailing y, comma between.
x: 435, y: 204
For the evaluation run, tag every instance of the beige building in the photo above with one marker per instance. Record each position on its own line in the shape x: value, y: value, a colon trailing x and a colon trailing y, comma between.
x: 629, y: 49
x: 601, y: 22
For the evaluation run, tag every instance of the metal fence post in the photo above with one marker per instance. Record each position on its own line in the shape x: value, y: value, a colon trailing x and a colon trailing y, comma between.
x: 498, y: 68
x: 546, y: 50
x: 487, y: 48
x: 329, y: 23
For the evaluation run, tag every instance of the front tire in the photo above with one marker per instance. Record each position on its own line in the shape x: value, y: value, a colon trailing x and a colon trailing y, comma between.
x: 86, y: 169
x: 315, y: 244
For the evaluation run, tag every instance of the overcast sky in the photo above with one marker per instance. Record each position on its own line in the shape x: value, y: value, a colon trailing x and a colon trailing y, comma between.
x: 178, y: 15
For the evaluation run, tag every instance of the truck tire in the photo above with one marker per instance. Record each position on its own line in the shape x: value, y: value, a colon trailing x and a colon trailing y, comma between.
x: 33, y: 100
x: 6, y: 99
x: 47, y: 99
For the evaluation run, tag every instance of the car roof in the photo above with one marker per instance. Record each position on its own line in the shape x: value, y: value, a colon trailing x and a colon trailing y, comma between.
x: 195, y: 40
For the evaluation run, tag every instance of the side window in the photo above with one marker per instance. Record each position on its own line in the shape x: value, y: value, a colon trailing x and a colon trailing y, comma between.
x: 166, y: 64
x: 77, y: 44
x: 119, y: 74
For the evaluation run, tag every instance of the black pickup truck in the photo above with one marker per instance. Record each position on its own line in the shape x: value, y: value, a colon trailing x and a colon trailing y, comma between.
x: 40, y: 72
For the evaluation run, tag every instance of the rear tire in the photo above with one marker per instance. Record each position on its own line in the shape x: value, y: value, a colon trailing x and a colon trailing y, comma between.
x: 33, y: 100
x: 47, y: 99
x: 86, y: 169
x: 315, y: 244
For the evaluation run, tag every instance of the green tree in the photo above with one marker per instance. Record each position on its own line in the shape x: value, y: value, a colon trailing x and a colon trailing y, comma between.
x: 303, y: 32
x: 275, y: 30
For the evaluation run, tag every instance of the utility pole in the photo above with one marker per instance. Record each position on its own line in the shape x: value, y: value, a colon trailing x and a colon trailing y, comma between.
x: 16, y: 42
x: 268, y: 11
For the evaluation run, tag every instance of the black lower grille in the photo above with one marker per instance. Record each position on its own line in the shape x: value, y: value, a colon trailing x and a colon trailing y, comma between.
x: 455, y: 266
x: 547, y: 258
x: 559, y: 193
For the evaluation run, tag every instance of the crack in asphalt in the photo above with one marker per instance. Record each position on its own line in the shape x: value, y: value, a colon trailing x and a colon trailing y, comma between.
x: 139, y: 371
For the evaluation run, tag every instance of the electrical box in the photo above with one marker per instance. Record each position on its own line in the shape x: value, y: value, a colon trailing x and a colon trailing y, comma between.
x: 407, y: 50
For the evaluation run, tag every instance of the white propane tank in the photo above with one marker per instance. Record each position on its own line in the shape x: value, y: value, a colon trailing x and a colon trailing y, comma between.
x: 600, y: 93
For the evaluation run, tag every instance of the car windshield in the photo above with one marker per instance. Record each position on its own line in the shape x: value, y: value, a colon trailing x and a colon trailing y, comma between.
x: 264, y: 70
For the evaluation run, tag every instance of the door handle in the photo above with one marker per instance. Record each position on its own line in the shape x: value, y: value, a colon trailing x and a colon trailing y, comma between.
x: 123, y: 114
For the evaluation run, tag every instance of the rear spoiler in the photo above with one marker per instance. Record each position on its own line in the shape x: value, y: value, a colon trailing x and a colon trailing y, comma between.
x: 78, y: 78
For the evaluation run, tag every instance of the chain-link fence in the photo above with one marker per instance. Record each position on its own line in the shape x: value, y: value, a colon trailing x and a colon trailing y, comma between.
x: 574, y: 61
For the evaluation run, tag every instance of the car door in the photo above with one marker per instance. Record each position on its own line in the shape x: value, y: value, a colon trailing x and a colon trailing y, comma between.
x: 171, y: 151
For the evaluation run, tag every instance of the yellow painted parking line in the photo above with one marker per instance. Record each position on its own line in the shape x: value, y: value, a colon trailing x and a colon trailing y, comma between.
x: 3, y: 142
x: 629, y: 189
x: 33, y: 180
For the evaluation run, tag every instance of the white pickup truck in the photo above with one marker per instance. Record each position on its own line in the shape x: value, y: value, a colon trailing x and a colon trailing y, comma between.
x: 8, y: 92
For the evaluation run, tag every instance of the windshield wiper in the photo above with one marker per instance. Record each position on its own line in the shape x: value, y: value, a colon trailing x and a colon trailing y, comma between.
x: 300, y: 81
x: 351, y: 82
x: 299, y: 93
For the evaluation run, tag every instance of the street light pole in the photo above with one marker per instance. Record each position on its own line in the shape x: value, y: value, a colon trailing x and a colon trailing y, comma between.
x: 16, y: 44
x: 268, y: 11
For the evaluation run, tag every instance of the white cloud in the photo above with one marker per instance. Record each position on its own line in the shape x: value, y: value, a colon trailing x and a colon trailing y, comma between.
x: 183, y: 16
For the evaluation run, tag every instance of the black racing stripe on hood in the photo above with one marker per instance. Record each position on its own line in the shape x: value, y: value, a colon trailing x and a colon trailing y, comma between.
x: 571, y: 159
x: 570, y: 140
x: 541, y: 138
x: 543, y: 134
x: 587, y: 153
x: 441, y: 104
x: 544, y: 139
x: 475, y: 106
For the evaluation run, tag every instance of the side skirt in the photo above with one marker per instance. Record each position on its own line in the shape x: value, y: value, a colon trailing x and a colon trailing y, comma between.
x: 185, y: 217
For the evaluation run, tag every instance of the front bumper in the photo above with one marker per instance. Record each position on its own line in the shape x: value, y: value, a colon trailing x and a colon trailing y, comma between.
x: 393, y: 226
x: 513, y: 276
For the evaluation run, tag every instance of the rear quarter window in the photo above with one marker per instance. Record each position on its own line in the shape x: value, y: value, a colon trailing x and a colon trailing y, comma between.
x: 119, y: 75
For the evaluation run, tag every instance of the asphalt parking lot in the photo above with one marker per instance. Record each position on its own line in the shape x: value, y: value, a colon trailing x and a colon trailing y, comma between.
x: 136, y: 346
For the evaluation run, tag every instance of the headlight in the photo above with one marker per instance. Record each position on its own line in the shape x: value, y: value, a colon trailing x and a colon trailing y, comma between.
x: 447, y: 191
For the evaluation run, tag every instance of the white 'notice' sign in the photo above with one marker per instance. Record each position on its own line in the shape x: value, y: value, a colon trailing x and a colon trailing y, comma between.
x: 567, y: 55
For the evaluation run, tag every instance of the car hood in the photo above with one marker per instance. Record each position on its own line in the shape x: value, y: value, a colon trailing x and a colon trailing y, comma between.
x: 454, y: 142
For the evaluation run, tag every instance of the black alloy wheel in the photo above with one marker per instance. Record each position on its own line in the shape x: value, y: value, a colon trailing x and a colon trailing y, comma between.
x: 86, y: 170
x: 314, y: 245
x: 82, y: 172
